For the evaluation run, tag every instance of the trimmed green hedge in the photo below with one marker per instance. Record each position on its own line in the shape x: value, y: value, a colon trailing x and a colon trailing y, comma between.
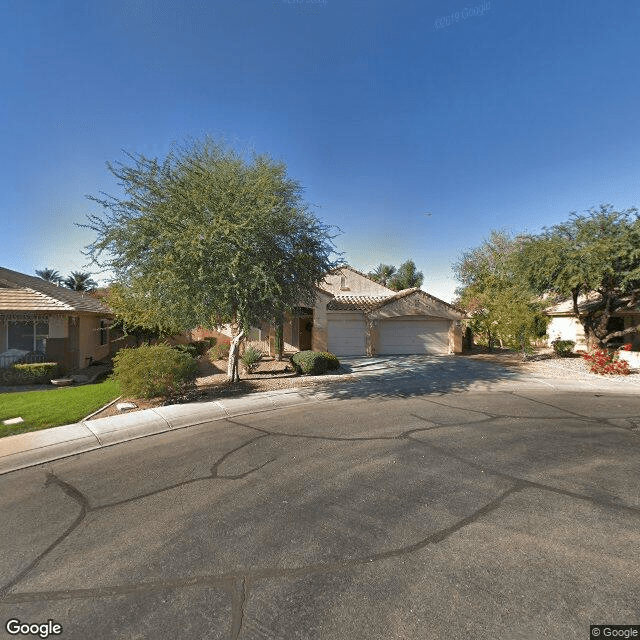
x: 314, y: 363
x: 333, y: 362
x: 36, y: 373
x: 150, y: 371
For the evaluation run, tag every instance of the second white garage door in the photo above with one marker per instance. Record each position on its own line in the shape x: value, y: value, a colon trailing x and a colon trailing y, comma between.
x: 413, y: 335
x: 346, y: 334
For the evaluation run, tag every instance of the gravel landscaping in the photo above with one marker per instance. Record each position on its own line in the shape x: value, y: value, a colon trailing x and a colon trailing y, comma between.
x: 270, y: 375
x: 545, y: 363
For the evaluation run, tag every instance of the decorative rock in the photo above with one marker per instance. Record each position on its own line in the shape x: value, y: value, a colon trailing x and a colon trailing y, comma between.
x: 13, y: 421
x: 126, y: 406
x: 62, y: 382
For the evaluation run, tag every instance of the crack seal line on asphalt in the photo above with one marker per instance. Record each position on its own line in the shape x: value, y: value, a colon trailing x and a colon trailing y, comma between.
x: 239, y: 594
x: 85, y: 506
x: 238, y: 601
x: 528, y: 483
x: 81, y: 500
x: 518, y: 485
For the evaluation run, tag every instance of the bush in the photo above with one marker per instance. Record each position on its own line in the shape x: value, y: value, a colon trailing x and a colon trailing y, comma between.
x: 312, y: 363
x: 220, y: 350
x: 194, y: 349
x: 563, y: 348
x: 189, y: 349
x: 149, y: 371
x: 36, y: 373
x: 606, y: 363
x: 202, y: 346
x: 333, y: 362
x: 250, y: 358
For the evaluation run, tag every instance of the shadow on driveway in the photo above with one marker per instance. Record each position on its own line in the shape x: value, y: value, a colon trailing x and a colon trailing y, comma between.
x: 414, y: 376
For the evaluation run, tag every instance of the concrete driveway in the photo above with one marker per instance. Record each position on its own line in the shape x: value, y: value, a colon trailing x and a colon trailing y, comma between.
x: 416, y: 506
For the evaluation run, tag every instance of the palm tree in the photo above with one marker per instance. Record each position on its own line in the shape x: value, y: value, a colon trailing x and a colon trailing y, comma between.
x: 407, y: 277
x: 50, y: 275
x: 383, y: 274
x: 79, y: 281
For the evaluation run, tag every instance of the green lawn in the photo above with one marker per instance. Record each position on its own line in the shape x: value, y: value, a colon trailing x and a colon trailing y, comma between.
x: 44, y: 409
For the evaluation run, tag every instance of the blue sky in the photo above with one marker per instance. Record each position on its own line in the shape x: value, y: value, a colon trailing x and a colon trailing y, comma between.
x: 488, y: 114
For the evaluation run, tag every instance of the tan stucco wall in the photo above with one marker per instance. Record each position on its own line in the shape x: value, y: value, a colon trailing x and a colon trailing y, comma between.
x: 455, y: 337
x: 90, y: 341
x: 356, y: 285
x: 319, y: 332
x: 566, y: 328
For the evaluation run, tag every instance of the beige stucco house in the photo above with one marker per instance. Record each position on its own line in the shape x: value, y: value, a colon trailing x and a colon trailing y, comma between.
x: 565, y: 326
x: 355, y: 316
x: 37, y: 316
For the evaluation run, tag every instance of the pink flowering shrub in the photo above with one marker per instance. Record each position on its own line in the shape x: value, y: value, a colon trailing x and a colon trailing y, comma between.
x: 606, y: 363
x: 627, y: 346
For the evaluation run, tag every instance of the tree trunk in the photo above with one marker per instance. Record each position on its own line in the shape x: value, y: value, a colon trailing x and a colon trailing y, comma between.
x: 234, y: 353
x: 279, y: 337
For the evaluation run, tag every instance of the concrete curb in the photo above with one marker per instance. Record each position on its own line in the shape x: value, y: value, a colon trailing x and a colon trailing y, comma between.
x: 38, y: 447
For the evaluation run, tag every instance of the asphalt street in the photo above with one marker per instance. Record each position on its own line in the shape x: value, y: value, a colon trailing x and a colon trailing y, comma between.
x: 426, y: 505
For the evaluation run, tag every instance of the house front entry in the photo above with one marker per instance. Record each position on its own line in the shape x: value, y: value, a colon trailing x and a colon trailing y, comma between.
x: 305, y: 325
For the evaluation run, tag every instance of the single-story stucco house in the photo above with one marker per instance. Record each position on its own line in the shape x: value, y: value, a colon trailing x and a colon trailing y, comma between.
x: 56, y: 323
x: 355, y: 316
x: 564, y: 324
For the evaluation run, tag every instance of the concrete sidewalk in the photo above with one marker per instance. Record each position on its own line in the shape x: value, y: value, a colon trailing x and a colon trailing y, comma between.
x: 28, y: 449
x: 391, y: 376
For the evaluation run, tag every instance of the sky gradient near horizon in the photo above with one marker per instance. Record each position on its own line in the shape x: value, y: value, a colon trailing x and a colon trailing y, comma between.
x: 485, y: 115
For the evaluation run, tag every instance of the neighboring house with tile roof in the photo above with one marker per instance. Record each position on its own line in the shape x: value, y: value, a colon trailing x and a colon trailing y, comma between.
x: 355, y: 316
x: 58, y: 324
x: 564, y: 324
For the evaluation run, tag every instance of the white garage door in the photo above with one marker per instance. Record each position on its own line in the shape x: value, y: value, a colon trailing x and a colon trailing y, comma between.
x: 413, y: 335
x: 346, y: 334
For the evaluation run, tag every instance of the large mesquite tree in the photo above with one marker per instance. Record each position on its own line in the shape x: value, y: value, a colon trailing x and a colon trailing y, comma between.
x: 207, y: 237
x: 597, y: 254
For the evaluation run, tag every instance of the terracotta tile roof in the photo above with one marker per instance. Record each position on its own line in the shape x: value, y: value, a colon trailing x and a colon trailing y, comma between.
x: 354, y: 303
x: 369, y: 303
x: 587, y: 303
x: 20, y: 292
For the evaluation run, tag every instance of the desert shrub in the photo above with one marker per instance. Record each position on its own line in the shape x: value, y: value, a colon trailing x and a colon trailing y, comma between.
x: 563, y: 348
x: 332, y: 361
x: 189, y: 349
x: 310, y: 362
x: 220, y: 350
x: 196, y: 348
x: 202, y: 346
x: 250, y: 358
x: 606, y: 363
x: 150, y: 371
x: 36, y: 373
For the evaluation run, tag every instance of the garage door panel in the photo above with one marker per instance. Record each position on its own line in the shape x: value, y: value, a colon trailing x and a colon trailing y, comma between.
x: 411, y: 336
x: 346, y: 334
